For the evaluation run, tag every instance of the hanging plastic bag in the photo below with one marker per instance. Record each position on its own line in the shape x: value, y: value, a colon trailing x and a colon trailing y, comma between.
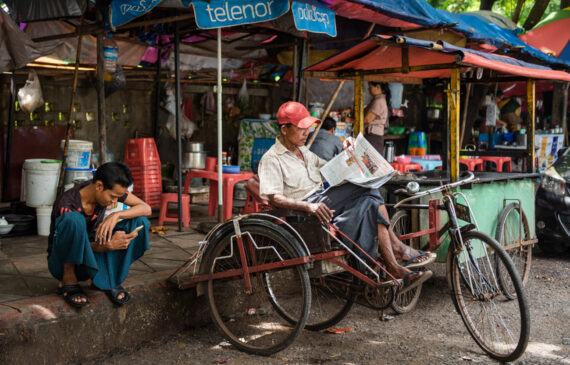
x: 30, y: 96
x: 187, y: 127
x: 243, y: 96
x: 117, y: 81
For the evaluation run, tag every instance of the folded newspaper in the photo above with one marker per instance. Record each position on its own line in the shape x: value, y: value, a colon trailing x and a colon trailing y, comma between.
x: 360, y: 164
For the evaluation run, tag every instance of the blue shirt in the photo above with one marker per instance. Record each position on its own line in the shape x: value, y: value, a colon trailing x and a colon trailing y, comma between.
x: 326, y: 145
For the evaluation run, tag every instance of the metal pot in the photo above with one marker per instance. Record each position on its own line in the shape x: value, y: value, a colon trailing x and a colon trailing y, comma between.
x: 194, y: 160
x: 193, y: 147
x: 433, y: 113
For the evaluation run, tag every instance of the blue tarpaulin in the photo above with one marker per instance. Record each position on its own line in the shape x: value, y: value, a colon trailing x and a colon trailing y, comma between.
x: 421, y: 13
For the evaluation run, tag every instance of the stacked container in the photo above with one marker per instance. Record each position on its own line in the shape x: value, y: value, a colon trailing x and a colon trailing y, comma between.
x: 141, y: 156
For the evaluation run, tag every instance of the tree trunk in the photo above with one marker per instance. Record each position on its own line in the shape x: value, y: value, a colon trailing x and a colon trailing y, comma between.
x: 517, y: 13
x: 535, y: 14
x: 486, y: 4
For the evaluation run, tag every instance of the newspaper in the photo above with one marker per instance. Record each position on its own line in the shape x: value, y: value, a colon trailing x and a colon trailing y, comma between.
x: 360, y: 164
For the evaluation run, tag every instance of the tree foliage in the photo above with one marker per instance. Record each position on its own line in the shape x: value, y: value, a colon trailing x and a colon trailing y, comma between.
x: 504, y: 7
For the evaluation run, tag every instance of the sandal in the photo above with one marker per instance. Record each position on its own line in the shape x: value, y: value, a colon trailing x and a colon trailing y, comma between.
x: 411, y: 264
x: 414, y: 283
x: 114, y: 293
x: 72, y: 292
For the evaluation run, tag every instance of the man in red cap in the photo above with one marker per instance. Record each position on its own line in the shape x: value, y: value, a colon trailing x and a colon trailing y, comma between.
x: 290, y: 178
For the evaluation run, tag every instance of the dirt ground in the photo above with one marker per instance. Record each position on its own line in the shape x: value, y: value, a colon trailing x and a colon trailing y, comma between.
x: 431, y: 334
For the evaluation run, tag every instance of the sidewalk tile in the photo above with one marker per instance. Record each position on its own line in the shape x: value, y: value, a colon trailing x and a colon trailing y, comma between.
x: 33, y: 265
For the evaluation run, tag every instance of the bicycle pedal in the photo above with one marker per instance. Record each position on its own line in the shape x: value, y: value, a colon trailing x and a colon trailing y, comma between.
x: 394, y: 282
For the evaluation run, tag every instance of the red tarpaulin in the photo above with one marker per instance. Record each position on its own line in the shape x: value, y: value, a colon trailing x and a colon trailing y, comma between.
x: 382, y: 52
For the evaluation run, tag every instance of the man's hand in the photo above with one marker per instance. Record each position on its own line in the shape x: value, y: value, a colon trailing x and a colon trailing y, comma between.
x: 105, y: 230
x: 348, y: 142
x: 321, y: 211
x: 120, y: 241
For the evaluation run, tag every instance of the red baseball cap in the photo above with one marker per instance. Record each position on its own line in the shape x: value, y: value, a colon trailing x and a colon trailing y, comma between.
x: 296, y: 114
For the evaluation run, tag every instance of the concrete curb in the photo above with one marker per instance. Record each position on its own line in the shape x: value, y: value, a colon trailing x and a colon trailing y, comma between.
x: 47, y: 330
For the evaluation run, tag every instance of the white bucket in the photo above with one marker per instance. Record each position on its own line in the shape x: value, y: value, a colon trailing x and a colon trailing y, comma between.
x: 43, y: 214
x: 42, y: 176
x: 75, y: 175
x: 78, y: 153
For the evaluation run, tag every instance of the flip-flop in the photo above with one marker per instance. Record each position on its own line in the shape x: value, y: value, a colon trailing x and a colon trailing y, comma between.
x: 71, y: 292
x: 114, y: 293
x: 409, y: 285
x: 410, y: 264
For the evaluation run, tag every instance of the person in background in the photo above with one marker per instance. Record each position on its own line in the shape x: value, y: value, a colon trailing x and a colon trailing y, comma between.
x: 326, y: 145
x: 84, y: 244
x: 376, y: 115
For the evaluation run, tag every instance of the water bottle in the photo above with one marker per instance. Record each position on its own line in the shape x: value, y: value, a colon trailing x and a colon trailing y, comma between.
x: 389, y: 151
x: 110, y: 54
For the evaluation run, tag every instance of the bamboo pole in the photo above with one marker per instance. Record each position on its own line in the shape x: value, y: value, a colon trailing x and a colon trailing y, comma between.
x: 70, y: 115
x: 453, y: 107
x: 326, y: 112
x: 358, y: 104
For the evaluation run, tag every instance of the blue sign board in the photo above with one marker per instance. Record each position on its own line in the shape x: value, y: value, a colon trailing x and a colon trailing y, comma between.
x: 313, y: 17
x: 123, y: 11
x: 227, y: 13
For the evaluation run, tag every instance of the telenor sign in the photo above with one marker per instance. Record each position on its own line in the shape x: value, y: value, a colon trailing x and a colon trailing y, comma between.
x: 314, y: 17
x: 227, y: 13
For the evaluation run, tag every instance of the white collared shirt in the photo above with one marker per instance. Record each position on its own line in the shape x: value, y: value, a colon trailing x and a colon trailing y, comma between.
x: 282, y: 172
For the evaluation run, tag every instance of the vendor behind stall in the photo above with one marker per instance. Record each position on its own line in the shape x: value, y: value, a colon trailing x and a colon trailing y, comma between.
x: 376, y: 115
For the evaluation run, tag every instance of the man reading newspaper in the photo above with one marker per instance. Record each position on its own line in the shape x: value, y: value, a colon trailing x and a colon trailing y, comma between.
x: 290, y: 177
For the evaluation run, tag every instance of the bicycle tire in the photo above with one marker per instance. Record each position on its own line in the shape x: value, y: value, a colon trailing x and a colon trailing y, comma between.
x: 498, y: 324
x: 508, y: 233
x: 404, y: 303
x: 246, y: 319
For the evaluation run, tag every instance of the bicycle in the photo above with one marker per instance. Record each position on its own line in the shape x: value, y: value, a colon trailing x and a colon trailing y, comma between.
x: 486, y: 288
x: 268, y: 276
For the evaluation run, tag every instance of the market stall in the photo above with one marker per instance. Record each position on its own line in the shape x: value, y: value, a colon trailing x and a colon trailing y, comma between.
x: 407, y: 60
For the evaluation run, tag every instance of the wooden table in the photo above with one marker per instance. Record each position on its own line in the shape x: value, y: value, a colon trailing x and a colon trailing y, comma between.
x: 228, y: 180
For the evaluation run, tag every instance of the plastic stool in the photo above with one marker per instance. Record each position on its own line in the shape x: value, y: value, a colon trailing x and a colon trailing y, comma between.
x: 472, y: 163
x: 405, y: 167
x: 173, y: 198
x: 499, y: 161
x: 427, y: 164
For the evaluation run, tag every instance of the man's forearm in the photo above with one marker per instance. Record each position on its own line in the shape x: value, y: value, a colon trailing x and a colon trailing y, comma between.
x: 142, y: 210
x: 281, y: 201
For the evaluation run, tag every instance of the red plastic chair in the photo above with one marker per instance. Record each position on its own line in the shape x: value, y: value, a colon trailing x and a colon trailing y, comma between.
x: 499, y: 161
x: 163, y: 216
x: 253, y: 202
x: 472, y: 163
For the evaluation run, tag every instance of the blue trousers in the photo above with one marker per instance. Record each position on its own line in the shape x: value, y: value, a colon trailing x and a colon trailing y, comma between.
x: 108, y: 269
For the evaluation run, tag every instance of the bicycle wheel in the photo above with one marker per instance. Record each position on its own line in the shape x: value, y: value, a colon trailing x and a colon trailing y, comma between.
x: 248, y: 320
x: 498, y: 324
x: 509, y: 232
x: 403, y: 303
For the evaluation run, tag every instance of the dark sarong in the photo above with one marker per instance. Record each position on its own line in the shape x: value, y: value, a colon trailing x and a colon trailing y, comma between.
x: 356, y: 214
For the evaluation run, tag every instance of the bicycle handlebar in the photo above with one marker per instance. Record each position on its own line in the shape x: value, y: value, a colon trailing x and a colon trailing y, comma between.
x: 469, y: 179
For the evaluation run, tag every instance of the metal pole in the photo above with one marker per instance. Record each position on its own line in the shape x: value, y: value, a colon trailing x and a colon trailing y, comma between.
x: 6, y: 178
x: 101, y: 95
x: 178, y: 137
x: 565, y: 112
x: 219, y: 102
x: 531, y: 107
x: 453, y: 97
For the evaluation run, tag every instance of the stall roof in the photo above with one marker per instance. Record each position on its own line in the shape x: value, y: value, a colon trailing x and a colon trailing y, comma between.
x: 386, y: 55
x: 421, y: 13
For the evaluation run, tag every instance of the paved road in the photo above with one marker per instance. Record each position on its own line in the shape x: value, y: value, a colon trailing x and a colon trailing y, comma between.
x: 432, y: 334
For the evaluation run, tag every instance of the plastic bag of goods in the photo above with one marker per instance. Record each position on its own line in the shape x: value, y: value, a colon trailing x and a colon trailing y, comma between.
x: 30, y: 96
